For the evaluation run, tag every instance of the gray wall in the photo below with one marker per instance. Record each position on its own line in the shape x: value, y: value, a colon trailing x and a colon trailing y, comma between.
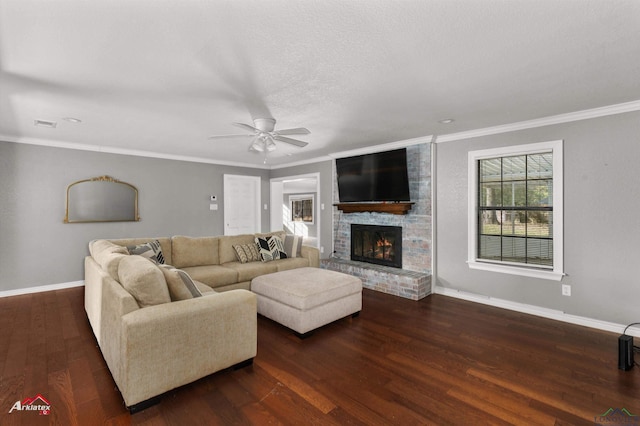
x: 37, y: 248
x: 601, y: 213
x: 325, y: 169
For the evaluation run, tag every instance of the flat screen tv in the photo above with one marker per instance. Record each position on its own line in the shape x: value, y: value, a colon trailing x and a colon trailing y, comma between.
x: 381, y: 176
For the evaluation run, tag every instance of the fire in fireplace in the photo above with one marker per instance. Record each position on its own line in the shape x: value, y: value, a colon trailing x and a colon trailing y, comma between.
x: 381, y: 245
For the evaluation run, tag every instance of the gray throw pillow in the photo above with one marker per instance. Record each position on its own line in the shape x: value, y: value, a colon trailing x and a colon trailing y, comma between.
x: 180, y: 284
x: 292, y: 245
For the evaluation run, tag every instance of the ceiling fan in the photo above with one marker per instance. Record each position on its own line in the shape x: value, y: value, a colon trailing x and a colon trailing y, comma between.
x: 264, y: 135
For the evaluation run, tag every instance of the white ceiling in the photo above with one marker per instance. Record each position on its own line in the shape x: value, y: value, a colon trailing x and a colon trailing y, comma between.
x: 161, y: 76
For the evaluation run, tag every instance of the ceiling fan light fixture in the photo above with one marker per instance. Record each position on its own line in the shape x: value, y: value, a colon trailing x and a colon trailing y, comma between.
x: 264, y: 124
x: 269, y: 144
x: 265, y: 137
x: 257, y: 145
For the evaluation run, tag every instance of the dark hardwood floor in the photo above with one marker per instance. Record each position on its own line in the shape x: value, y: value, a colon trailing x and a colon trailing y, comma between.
x: 436, y: 361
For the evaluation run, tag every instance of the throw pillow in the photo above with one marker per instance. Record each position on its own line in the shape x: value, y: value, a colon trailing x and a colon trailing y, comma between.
x: 180, y: 284
x: 293, y: 245
x: 151, y: 250
x: 253, y: 249
x: 143, y: 280
x: 247, y: 253
x: 240, y: 254
x: 271, y: 248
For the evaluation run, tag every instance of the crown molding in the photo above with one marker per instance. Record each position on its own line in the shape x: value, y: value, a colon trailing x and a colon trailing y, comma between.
x: 545, y: 121
x: 451, y: 137
x: 125, y: 151
x: 384, y: 147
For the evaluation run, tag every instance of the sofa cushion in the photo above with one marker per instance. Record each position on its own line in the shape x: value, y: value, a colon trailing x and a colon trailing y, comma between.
x: 143, y: 280
x: 179, y: 283
x: 270, y: 248
x: 189, y: 251
x: 104, y: 247
x: 151, y: 250
x: 247, y: 253
x: 292, y: 245
x: 290, y: 263
x: 212, y: 275
x: 227, y: 252
x: 107, y: 255
x: 204, y: 289
x: 248, y: 271
x: 111, y: 263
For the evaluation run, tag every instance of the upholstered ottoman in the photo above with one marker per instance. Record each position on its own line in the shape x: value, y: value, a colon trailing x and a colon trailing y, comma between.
x: 304, y: 299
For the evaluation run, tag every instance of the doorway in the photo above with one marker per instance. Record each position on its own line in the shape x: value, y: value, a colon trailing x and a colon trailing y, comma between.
x: 293, y: 191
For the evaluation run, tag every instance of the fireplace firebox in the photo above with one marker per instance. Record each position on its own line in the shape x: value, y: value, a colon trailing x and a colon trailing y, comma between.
x: 381, y: 245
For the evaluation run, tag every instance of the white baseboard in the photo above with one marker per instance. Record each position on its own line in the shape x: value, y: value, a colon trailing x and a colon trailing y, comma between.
x: 538, y: 311
x: 41, y: 288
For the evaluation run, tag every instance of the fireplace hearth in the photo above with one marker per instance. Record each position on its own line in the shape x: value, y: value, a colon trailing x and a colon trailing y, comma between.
x: 380, y: 245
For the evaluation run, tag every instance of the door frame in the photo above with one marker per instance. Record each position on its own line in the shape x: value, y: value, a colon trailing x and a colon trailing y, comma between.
x: 275, y: 187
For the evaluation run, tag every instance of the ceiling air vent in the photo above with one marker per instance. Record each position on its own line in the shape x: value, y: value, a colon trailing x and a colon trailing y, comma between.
x: 45, y: 123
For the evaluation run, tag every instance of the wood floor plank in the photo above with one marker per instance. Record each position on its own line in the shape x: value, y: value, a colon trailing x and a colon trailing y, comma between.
x: 437, y: 361
x: 304, y: 390
x: 63, y: 407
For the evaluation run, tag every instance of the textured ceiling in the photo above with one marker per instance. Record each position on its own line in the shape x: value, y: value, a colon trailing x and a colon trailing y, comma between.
x: 161, y: 76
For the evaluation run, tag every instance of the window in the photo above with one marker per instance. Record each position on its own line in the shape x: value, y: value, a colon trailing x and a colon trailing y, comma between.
x: 515, y: 210
x: 301, y: 208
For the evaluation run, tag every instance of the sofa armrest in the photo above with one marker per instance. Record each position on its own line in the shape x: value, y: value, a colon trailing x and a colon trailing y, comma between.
x: 104, y: 298
x: 311, y: 253
x: 166, y: 346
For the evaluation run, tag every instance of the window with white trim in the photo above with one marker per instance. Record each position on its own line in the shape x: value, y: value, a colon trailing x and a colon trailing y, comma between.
x: 515, y: 210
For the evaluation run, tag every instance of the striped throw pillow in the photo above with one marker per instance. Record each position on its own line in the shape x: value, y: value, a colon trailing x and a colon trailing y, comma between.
x: 180, y: 284
x: 292, y: 245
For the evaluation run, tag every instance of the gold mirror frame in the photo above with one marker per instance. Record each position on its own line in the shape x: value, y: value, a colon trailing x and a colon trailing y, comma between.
x: 101, y: 199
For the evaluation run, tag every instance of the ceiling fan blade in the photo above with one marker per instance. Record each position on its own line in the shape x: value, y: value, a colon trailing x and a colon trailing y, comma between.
x: 295, y: 142
x: 296, y: 131
x: 228, y: 136
x: 247, y: 127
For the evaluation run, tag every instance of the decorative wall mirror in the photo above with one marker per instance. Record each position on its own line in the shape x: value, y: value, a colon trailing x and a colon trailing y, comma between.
x: 301, y: 208
x: 101, y: 199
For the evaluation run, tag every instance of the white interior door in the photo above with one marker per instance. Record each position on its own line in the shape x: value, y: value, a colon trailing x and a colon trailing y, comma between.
x: 241, y: 204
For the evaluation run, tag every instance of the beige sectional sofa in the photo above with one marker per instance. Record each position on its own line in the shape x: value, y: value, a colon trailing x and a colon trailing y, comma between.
x: 153, y: 343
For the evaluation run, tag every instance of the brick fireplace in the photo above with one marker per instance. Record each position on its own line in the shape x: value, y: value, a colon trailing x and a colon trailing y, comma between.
x: 413, y: 281
x: 380, y: 245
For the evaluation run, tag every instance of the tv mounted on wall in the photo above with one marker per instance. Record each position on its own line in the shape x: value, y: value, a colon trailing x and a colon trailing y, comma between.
x: 381, y: 176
